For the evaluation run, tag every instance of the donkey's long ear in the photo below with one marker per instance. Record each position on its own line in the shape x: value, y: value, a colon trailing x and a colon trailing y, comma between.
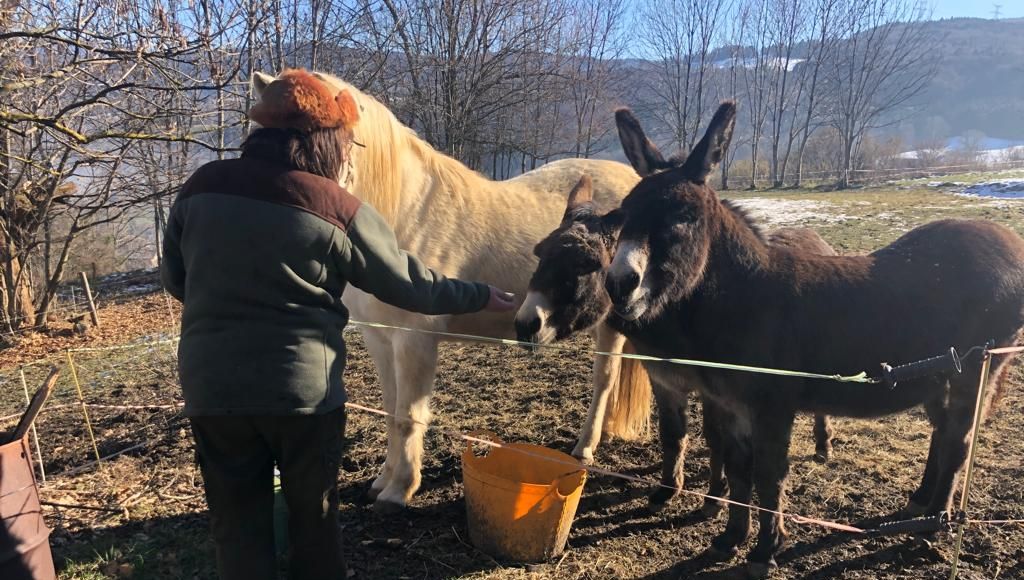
x: 711, y: 149
x: 260, y: 82
x: 642, y: 154
x: 582, y: 193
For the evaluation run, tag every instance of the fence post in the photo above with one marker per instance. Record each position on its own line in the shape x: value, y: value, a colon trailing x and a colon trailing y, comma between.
x: 35, y: 434
x: 92, y: 304
x: 986, y: 365
x: 85, y: 410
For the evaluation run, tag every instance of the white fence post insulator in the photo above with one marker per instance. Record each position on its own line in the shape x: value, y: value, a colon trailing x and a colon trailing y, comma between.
x: 92, y: 304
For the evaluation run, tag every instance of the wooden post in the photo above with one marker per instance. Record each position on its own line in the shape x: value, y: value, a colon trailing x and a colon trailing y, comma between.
x: 976, y: 426
x: 85, y: 409
x: 92, y: 305
x: 35, y: 434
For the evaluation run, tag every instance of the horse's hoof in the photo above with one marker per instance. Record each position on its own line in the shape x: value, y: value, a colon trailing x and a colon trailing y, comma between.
x: 823, y: 455
x: 711, y: 508
x: 758, y: 570
x: 387, y: 508
x: 586, y: 456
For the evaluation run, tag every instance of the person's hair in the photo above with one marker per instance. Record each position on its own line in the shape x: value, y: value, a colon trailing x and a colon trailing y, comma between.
x: 321, y: 151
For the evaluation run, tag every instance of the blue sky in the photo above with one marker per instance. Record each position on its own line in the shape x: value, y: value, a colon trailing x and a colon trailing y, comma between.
x: 977, y: 8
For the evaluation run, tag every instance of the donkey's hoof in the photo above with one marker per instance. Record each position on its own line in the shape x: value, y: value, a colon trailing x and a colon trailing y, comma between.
x: 711, y: 508
x: 717, y: 553
x: 758, y: 570
x: 913, y: 510
x: 660, y: 499
x: 823, y: 455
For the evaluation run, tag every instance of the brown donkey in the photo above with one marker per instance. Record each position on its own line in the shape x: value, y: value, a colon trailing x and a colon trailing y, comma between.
x: 567, y: 295
x: 693, y: 278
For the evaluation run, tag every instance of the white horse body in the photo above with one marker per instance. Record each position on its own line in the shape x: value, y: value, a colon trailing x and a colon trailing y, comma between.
x: 465, y: 226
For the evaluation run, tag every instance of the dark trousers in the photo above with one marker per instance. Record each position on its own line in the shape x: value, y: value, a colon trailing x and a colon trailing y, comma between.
x: 237, y: 456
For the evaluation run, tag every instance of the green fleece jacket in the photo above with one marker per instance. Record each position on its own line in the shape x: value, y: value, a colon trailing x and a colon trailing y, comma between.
x: 259, y: 255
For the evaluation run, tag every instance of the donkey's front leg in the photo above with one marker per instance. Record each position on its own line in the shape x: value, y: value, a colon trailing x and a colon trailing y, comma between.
x: 672, y: 425
x: 717, y: 485
x: 772, y: 431
x: 739, y: 467
x: 415, y: 370
x: 605, y: 379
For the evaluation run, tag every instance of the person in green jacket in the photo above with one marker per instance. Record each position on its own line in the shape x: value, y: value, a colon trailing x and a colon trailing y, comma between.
x: 259, y: 249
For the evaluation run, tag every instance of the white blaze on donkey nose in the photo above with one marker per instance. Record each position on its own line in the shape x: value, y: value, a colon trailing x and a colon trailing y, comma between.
x: 631, y: 258
x: 627, y: 270
x: 536, y: 306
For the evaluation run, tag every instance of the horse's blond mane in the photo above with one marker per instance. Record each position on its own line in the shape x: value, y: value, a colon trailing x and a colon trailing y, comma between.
x: 378, y: 165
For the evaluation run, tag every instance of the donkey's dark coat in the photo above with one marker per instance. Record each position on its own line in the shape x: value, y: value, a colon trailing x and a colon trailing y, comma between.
x: 571, y: 275
x: 712, y: 288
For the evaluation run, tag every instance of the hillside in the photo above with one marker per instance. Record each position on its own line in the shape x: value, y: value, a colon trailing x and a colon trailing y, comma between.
x: 979, y: 84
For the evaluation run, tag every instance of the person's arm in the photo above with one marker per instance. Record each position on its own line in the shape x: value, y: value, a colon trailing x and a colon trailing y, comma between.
x: 372, y: 261
x: 172, y: 267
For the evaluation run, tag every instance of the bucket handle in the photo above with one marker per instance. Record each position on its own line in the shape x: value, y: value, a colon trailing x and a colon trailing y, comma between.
x: 481, y: 434
x: 565, y: 480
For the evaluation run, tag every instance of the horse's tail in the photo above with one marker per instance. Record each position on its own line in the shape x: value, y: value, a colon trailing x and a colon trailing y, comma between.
x: 629, y: 410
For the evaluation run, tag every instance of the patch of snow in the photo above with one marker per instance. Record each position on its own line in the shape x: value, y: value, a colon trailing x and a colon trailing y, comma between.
x: 785, y: 212
x: 776, y: 62
x: 140, y: 289
x: 1002, y: 189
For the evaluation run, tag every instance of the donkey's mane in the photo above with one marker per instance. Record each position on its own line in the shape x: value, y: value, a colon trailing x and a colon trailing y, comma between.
x: 386, y: 140
x: 744, y: 217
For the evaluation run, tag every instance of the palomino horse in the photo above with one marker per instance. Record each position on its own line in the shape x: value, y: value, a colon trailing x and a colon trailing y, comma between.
x: 695, y: 279
x: 466, y: 226
x: 568, y: 288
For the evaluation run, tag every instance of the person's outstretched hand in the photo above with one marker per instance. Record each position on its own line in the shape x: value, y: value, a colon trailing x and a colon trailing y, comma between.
x: 500, y: 301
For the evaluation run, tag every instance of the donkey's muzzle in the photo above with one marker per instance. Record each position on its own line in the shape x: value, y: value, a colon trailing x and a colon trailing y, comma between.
x: 620, y: 288
x: 528, y: 329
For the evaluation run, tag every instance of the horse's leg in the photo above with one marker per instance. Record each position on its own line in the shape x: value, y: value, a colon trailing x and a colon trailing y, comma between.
x: 378, y: 343
x: 772, y: 431
x: 672, y: 419
x: 822, y: 438
x: 415, y: 369
x: 717, y: 485
x: 935, y: 408
x: 606, y: 369
x: 739, y: 462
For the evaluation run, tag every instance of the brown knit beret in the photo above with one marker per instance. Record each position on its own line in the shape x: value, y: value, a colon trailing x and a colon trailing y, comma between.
x: 299, y: 100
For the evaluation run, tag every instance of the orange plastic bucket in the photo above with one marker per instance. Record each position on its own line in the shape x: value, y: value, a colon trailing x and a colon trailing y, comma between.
x: 520, y: 506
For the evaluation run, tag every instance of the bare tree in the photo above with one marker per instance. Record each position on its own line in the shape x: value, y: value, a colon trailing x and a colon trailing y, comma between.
x: 820, y: 50
x: 787, y: 25
x: 91, y: 81
x: 881, y: 62
x: 680, y: 35
x: 598, y: 43
x: 757, y: 70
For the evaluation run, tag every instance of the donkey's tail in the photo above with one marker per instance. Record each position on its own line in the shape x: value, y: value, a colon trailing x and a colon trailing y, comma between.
x: 629, y: 407
x: 1002, y: 376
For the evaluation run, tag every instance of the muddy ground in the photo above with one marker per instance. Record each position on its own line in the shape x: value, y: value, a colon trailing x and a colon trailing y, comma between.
x: 542, y: 399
